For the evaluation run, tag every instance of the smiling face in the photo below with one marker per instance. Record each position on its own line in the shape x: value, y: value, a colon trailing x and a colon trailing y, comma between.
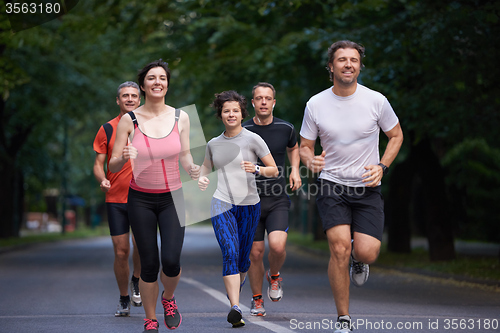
x: 128, y: 99
x: 345, y: 67
x: 155, y: 83
x: 231, y: 115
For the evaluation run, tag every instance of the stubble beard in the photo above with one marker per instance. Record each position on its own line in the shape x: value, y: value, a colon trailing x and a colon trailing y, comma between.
x: 345, y: 82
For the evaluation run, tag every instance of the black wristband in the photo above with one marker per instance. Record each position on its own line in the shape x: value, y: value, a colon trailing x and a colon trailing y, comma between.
x: 384, y: 168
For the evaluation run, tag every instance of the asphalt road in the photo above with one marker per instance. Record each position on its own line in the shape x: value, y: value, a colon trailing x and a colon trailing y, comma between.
x: 70, y: 287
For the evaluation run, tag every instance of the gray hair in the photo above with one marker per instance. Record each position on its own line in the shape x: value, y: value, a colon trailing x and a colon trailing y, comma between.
x: 125, y: 85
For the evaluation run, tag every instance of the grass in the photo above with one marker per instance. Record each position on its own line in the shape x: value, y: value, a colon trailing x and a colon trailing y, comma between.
x: 475, y: 267
x: 81, y: 232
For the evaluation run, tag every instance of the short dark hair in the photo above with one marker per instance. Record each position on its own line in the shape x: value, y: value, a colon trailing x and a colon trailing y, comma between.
x: 229, y: 96
x: 141, y: 76
x: 127, y: 84
x: 265, y: 85
x: 344, y: 44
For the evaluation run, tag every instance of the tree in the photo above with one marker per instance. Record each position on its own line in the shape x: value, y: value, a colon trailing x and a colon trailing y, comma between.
x: 56, y: 76
x: 432, y: 60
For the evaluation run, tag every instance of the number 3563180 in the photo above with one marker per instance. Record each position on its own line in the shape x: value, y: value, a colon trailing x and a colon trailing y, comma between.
x: 483, y: 324
x: 32, y: 8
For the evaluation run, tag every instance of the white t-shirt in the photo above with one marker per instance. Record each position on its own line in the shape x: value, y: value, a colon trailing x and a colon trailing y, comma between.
x: 234, y: 184
x: 348, y: 128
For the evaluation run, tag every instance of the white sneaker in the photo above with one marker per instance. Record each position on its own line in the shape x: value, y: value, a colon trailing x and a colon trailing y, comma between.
x: 343, y: 324
x: 358, y: 272
x: 135, y: 295
x: 274, y: 291
x: 257, y: 307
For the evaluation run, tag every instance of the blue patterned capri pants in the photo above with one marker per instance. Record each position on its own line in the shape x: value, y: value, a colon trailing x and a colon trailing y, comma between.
x: 234, y: 228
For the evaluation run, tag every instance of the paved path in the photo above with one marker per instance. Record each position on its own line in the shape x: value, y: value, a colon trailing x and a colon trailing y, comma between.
x: 69, y: 287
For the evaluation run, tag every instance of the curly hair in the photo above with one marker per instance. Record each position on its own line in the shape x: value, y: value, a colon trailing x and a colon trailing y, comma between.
x: 229, y: 96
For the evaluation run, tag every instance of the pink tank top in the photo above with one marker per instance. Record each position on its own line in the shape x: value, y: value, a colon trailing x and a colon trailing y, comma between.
x: 156, y: 168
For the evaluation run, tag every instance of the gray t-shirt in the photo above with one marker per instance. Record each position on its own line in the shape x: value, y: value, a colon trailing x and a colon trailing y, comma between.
x: 235, y: 185
x: 348, y: 128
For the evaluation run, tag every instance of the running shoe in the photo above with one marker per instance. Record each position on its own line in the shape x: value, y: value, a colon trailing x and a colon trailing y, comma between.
x: 136, y: 295
x: 358, y: 272
x: 171, y: 313
x: 235, y: 317
x: 257, y: 306
x: 343, y: 324
x: 123, y: 309
x: 150, y: 325
x: 274, y: 291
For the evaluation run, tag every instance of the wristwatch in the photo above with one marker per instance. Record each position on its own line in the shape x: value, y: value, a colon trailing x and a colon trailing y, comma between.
x: 257, y: 169
x: 384, y: 168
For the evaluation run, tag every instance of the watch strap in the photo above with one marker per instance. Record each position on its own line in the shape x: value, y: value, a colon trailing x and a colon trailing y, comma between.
x: 385, y: 169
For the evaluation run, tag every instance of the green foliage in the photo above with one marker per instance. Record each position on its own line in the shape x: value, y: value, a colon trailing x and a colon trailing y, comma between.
x: 468, y: 266
x: 80, y: 232
x: 473, y: 169
x: 433, y: 60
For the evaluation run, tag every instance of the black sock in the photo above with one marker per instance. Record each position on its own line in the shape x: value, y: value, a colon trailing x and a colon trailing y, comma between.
x: 135, y: 279
x: 125, y: 298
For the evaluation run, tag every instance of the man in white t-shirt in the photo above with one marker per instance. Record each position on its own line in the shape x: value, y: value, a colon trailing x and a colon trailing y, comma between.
x: 347, y: 118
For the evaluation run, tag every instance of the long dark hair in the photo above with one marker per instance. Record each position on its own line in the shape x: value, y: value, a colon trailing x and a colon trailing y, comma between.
x: 141, y: 76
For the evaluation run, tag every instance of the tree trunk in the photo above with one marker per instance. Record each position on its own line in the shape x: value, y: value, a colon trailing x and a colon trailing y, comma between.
x: 12, y: 185
x: 438, y: 223
x: 397, y: 208
x: 9, y: 224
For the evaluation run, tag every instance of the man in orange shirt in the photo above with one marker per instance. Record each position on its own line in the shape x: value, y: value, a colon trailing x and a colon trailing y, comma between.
x: 116, y: 186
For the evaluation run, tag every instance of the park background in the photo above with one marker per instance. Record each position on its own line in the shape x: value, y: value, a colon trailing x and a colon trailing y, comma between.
x: 434, y: 60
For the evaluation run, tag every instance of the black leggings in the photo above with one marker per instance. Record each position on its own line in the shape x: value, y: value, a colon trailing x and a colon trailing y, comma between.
x: 147, y: 211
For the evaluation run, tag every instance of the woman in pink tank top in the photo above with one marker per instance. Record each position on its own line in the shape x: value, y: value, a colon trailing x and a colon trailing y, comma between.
x: 156, y: 137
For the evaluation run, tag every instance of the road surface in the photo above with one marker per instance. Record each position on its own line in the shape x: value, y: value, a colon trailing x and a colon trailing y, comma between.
x: 69, y: 287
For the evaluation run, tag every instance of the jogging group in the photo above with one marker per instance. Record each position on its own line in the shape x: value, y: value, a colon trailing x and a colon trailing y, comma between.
x: 144, y: 147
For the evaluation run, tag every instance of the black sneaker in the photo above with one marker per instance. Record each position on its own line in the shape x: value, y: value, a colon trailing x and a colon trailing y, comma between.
x: 343, y: 324
x: 171, y: 313
x: 150, y: 325
x: 234, y: 317
x: 123, y: 309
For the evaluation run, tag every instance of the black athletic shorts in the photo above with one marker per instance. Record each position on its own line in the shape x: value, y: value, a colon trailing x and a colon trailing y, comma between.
x: 273, y: 215
x: 360, y: 207
x: 117, y: 218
